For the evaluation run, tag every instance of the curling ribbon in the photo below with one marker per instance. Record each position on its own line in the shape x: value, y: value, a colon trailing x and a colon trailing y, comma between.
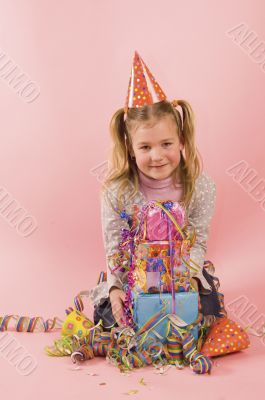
x: 172, y: 270
x: 200, y: 363
x: 174, y: 348
x: 128, y: 349
x: 254, y: 332
x: 27, y: 324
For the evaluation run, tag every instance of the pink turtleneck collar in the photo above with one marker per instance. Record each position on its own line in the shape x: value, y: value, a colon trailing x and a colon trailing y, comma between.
x: 159, y: 189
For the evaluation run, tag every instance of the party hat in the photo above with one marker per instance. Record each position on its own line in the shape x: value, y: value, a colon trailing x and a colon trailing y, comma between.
x: 76, y: 323
x: 143, y: 88
x: 225, y: 336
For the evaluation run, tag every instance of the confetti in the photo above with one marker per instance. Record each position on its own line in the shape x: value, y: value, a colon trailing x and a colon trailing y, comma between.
x: 162, y: 370
x: 179, y: 365
x: 254, y: 332
x: 132, y: 392
x: 125, y: 373
x: 142, y: 382
x: 75, y: 368
x: 102, y: 383
x: 91, y: 373
x: 215, y: 363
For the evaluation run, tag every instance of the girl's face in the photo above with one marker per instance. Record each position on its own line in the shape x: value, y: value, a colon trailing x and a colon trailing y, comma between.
x: 157, y: 148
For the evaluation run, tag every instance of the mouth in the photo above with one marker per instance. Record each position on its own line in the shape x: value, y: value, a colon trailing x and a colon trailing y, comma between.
x: 158, y: 166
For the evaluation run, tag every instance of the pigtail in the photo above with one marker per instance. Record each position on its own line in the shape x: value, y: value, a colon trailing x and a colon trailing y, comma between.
x: 121, y: 170
x: 188, y: 117
x: 119, y: 153
x: 193, y: 160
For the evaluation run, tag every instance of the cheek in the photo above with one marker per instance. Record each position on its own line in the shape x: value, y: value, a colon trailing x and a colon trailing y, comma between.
x: 143, y: 161
x: 174, y: 155
x: 142, y: 158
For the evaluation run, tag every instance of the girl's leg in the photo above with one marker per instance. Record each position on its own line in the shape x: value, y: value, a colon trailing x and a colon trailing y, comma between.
x: 212, y: 303
x: 103, y: 311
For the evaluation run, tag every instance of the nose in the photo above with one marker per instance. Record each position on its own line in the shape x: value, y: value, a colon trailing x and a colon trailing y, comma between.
x: 156, y: 155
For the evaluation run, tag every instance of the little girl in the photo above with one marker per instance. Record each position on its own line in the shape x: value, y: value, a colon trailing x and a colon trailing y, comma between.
x: 154, y: 157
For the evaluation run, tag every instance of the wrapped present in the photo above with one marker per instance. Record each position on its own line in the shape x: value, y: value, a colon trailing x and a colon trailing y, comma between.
x: 152, y: 266
x: 161, y: 250
x: 145, y: 306
x: 152, y: 220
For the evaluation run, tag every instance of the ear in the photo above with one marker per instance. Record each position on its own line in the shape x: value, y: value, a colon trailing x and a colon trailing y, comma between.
x: 132, y: 156
x: 130, y: 150
x: 181, y: 143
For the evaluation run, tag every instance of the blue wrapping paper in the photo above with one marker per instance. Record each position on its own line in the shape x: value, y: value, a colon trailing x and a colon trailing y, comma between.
x: 145, y: 305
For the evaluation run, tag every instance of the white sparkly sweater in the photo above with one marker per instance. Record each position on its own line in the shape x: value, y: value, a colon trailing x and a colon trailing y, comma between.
x: 199, y: 214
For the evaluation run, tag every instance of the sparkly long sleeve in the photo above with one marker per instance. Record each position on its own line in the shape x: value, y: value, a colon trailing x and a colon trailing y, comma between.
x: 111, y: 230
x: 200, y: 215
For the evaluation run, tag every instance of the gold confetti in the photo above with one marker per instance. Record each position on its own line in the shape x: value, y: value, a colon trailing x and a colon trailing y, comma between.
x: 142, y: 382
x: 125, y: 373
x: 102, y: 383
x: 132, y: 392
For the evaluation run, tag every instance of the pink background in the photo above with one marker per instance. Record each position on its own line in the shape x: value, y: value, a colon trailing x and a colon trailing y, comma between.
x: 80, y: 54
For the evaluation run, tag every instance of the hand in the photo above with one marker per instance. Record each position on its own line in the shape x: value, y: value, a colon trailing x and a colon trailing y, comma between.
x: 117, y: 298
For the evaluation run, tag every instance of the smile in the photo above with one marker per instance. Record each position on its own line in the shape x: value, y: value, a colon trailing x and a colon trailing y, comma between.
x: 158, y: 166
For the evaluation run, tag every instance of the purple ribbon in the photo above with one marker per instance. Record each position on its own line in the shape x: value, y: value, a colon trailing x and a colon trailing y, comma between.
x: 171, y: 268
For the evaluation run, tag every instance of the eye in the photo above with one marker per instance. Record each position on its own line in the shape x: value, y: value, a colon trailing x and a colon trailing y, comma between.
x: 168, y: 144
x: 144, y: 147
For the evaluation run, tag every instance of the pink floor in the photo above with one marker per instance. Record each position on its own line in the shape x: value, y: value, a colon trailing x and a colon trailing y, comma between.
x: 234, y: 376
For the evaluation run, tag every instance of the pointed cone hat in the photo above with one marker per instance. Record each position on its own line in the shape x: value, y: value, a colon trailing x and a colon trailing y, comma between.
x: 143, y: 88
x: 225, y: 336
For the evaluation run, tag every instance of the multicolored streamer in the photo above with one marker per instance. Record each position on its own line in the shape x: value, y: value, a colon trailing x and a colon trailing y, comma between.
x: 32, y: 324
x: 27, y: 324
x: 128, y: 349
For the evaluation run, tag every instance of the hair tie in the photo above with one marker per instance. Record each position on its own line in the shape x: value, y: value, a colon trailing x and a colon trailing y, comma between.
x: 176, y: 104
x: 125, y: 110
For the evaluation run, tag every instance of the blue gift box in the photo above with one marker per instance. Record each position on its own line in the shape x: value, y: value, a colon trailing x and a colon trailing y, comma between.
x: 145, y: 305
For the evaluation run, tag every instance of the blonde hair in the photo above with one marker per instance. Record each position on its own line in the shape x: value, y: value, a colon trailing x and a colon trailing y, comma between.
x: 123, y: 169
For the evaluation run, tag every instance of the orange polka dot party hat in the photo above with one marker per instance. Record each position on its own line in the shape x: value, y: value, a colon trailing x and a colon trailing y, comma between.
x: 225, y: 336
x: 143, y: 88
